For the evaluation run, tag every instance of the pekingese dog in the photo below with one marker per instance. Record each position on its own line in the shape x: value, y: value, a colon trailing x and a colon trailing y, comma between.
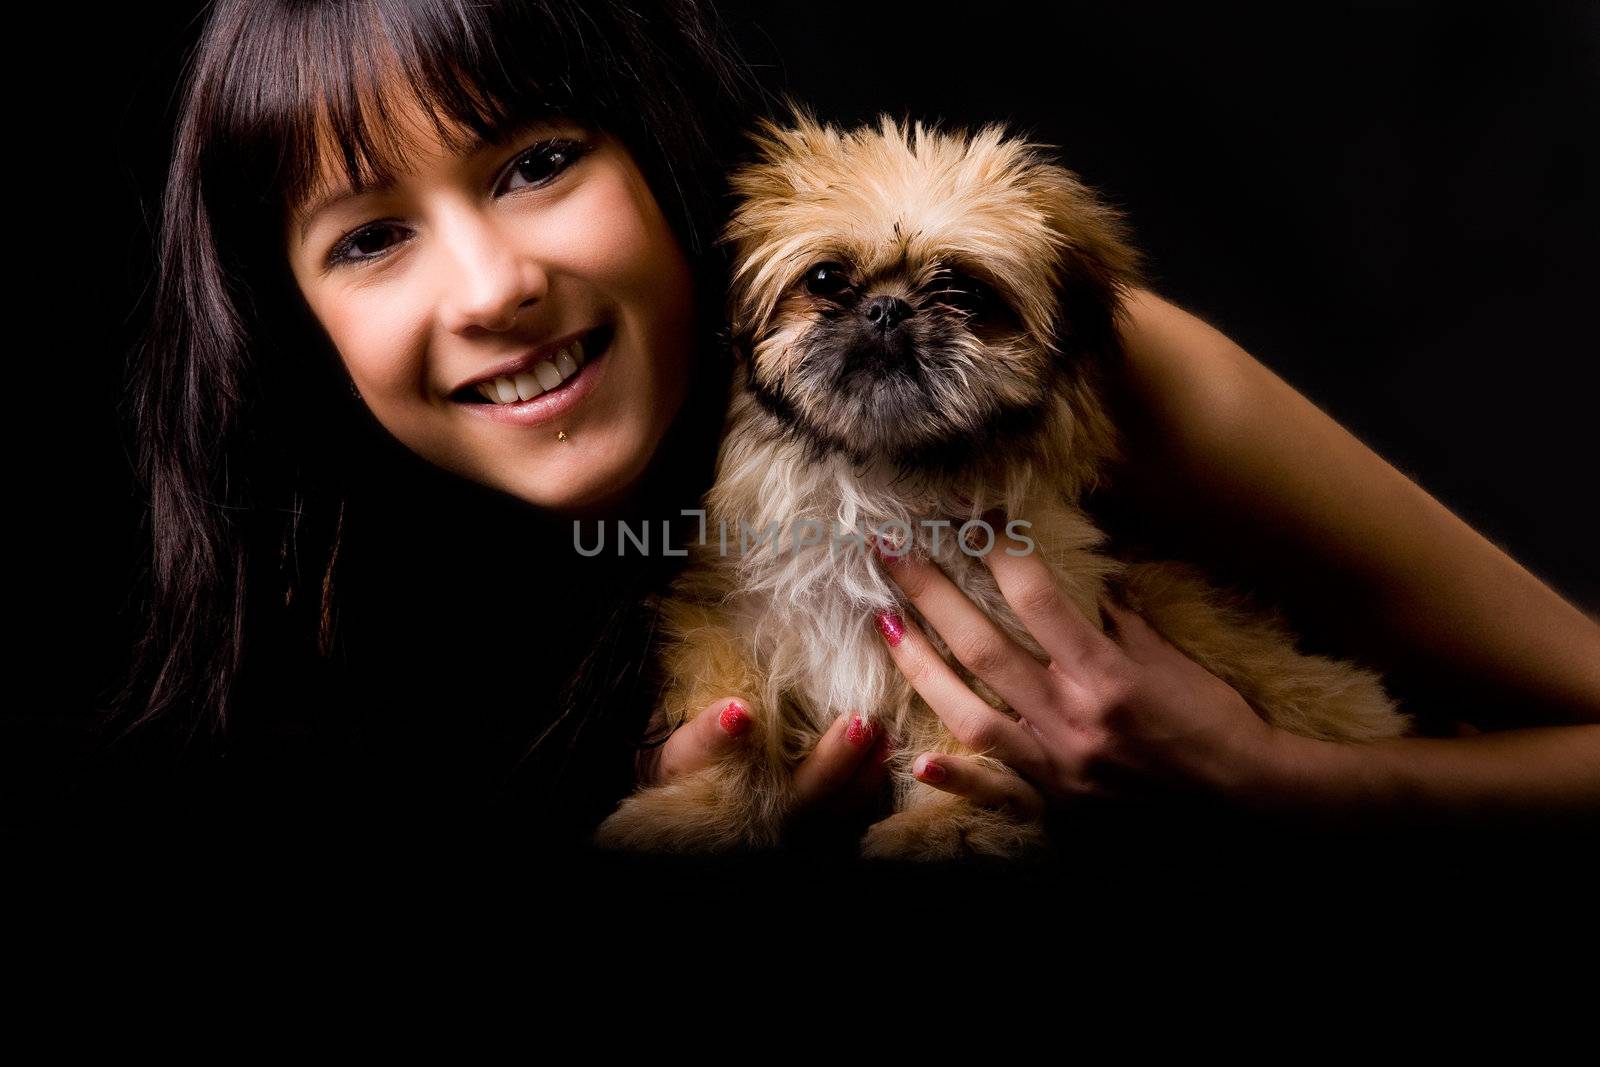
x: 923, y: 320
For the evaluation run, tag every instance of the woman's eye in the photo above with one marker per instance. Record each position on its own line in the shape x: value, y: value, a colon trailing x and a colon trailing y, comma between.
x: 543, y: 162
x: 341, y: 252
x: 537, y: 166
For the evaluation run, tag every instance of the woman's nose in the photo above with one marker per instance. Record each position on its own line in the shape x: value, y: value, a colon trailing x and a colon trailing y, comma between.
x: 488, y: 276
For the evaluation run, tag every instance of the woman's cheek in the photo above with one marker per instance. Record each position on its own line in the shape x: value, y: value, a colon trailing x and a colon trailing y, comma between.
x: 622, y: 242
x: 657, y: 277
x: 379, y: 337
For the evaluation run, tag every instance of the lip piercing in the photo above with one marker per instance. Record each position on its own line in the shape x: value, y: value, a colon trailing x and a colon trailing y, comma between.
x: 561, y: 435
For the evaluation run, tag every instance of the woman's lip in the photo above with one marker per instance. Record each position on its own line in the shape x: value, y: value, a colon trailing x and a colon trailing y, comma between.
x: 550, y: 405
x: 525, y: 363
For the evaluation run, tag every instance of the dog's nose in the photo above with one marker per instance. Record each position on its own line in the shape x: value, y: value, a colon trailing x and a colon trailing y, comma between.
x: 887, y: 311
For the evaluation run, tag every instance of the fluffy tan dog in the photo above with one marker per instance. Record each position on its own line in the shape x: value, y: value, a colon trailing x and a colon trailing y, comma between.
x: 924, y: 319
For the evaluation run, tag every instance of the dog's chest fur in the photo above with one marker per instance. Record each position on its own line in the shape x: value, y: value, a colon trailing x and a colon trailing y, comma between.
x: 790, y: 575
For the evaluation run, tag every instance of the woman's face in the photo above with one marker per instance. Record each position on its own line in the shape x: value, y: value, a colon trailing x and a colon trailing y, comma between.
x: 473, y: 275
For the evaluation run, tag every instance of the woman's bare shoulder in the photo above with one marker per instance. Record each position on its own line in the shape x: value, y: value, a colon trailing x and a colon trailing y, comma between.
x: 1183, y: 370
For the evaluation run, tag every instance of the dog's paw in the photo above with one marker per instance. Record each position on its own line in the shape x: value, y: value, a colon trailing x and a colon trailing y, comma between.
x: 636, y: 826
x: 939, y: 832
x: 689, y: 816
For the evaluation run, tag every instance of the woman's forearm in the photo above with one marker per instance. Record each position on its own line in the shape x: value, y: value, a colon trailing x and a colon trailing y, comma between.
x: 1536, y: 771
x: 1225, y: 450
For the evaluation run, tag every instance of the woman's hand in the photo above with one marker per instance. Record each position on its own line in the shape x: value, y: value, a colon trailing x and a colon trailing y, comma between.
x: 839, y: 787
x: 1106, y: 717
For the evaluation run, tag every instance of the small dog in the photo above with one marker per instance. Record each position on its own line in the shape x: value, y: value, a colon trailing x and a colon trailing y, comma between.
x: 923, y: 321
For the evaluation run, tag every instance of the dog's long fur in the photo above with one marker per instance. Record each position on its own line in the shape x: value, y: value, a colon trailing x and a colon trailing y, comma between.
x: 959, y: 413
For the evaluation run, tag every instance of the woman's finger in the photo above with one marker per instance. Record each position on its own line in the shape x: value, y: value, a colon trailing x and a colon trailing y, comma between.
x: 698, y: 743
x: 973, y: 722
x: 1135, y: 635
x: 1031, y: 588
x: 979, y: 783
x: 840, y: 750
x: 972, y: 637
x: 866, y: 787
x: 861, y: 798
x: 833, y: 813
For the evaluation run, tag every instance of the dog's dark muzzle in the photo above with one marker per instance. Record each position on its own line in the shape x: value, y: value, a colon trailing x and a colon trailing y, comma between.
x: 882, y: 341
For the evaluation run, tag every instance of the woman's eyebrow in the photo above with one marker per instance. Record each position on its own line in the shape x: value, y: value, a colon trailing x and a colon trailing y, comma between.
x: 476, y: 145
x: 327, y: 200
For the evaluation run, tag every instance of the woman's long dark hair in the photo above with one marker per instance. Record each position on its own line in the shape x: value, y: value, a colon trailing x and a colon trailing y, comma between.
x: 248, y: 443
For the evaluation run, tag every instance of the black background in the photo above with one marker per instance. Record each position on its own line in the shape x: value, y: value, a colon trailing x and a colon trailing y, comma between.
x: 1392, y: 205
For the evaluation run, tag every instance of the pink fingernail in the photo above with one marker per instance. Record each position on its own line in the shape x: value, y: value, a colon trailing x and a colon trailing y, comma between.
x: 891, y: 626
x: 735, y: 719
x: 884, y: 550
x: 932, y: 773
x: 859, y: 732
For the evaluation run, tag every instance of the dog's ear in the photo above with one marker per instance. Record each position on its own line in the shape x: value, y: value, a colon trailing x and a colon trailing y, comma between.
x: 741, y: 343
x: 741, y: 304
x: 1098, y: 262
x: 1096, y: 244
x: 736, y: 343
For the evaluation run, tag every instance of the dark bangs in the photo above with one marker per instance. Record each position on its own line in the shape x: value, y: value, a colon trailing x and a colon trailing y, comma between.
x: 303, y: 75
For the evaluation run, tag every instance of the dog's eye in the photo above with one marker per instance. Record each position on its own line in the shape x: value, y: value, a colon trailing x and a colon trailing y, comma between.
x: 827, y: 279
x: 966, y: 293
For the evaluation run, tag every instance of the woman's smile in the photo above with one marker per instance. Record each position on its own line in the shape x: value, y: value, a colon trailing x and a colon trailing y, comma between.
x: 538, y: 390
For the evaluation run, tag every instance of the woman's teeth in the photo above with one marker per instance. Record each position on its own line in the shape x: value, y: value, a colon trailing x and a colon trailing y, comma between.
x: 545, y: 375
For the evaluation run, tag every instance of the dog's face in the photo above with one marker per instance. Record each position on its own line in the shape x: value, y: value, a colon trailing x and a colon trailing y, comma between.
x: 915, y: 294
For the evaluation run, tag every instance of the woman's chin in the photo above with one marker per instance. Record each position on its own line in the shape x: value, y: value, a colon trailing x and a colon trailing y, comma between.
x: 589, y: 483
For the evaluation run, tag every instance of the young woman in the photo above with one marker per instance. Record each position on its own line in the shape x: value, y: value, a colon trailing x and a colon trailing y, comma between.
x: 363, y: 571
